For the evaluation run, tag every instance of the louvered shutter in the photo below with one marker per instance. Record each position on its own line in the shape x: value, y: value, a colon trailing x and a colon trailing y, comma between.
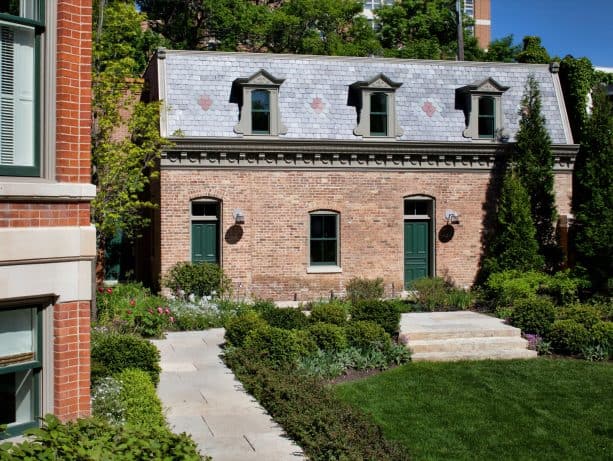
x: 16, y: 95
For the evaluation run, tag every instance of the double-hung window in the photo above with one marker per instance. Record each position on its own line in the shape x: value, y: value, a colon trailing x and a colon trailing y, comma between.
x: 487, y: 117
x: 324, y: 239
x: 260, y: 112
x: 21, y: 26
x: 20, y: 367
x: 378, y: 114
x: 482, y: 105
x: 375, y: 103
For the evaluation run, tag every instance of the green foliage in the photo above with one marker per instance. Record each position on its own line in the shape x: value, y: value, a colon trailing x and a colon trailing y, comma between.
x: 569, y: 336
x: 105, y: 400
x: 364, y: 334
x: 436, y: 294
x: 328, y: 337
x: 534, y: 166
x: 584, y: 314
x: 593, y: 205
x: 533, y: 52
x: 383, y: 313
x: 533, y: 315
x: 287, y: 318
x: 143, y: 408
x: 130, y: 308
x: 359, y: 289
x: 95, y: 439
x: 577, y: 79
x: 275, y: 346
x: 334, y: 312
x: 237, y: 328
x: 113, y: 352
x: 502, y: 50
x: 321, y: 424
x: 200, y: 279
x: 602, y: 335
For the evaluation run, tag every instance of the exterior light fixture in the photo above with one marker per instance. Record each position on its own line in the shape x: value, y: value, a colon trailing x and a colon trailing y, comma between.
x: 239, y: 216
x: 452, y: 217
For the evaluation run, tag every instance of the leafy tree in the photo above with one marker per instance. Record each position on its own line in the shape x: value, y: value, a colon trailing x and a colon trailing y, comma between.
x: 594, y: 207
x: 329, y: 27
x: 513, y: 245
x: 502, y: 50
x: 123, y: 165
x: 533, y: 51
x: 534, y: 162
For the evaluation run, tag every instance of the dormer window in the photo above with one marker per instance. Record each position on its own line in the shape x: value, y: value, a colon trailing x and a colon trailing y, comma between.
x: 258, y: 101
x: 375, y: 104
x: 482, y: 105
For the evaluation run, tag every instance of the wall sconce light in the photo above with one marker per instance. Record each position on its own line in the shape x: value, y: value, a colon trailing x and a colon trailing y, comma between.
x: 504, y: 135
x: 239, y: 216
x: 452, y: 217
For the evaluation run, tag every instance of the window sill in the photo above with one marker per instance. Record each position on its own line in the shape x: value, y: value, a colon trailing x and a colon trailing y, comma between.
x: 324, y: 270
x: 39, y: 191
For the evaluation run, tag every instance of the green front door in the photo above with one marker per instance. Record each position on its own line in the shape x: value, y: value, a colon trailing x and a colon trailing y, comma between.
x: 204, y: 242
x: 416, y: 250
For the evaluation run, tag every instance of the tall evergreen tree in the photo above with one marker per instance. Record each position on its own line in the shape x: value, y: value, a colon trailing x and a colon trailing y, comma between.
x: 534, y: 162
x: 513, y: 244
x: 594, y: 210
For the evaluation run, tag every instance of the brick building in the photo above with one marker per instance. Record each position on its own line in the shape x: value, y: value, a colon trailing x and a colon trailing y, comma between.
x: 47, y: 244
x: 297, y: 173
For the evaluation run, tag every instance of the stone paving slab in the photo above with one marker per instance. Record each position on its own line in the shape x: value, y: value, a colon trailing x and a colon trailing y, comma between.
x: 204, y: 399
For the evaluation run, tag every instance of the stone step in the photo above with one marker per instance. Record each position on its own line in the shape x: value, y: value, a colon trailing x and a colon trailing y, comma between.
x: 442, y: 333
x: 476, y: 344
x: 474, y: 355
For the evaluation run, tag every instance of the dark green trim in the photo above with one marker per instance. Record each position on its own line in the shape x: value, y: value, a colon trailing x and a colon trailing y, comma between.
x: 35, y: 170
x: 324, y: 239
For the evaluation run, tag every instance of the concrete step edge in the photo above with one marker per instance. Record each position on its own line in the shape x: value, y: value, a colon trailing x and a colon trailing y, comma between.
x: 447, y: 334
x: 506, y: 354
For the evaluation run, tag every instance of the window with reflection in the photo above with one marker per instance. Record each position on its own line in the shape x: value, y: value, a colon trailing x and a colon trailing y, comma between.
x: 378, y: 114
x: 260, y: 112
x: 324, y: 239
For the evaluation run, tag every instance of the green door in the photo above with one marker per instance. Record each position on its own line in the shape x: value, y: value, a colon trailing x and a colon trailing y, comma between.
x: 416, y: 250
x: 204, y: 242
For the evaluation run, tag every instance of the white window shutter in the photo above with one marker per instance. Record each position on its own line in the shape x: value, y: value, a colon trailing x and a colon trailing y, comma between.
x: 7, y: 101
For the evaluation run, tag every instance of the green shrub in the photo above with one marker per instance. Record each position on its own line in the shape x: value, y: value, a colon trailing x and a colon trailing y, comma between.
x: 305, y: 342
x: 430, y: 293
x: 602, y: 334
x: 287, y: 318
x: 200, y: 279
x: 324, y: 426
x: 584, y: 314
x: 383, y: 313
x: 569, y: 336
x: 96, y: 439
x: 142, y: 406
x: 334, y: 312
x: 328, y: 337
x: 359, y: 289
x: 363, y: 334
x: 263, y: 305
x: 105, y: 400
x: 563, y: 287
x: 112, y: 353
x: 504, y: 288
x: 237, y: 328
x: 533, y: 315
x: 276, y: 346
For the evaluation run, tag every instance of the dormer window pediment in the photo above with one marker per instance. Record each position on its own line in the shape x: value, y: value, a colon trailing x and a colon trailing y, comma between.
x: 258, y: 99
x: 375, y: 105
x: 482, y: 105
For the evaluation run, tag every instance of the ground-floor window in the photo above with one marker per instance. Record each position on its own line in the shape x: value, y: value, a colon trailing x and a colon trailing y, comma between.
x: 205, y: 230
x: 324, y: 238
x: 20, y: 367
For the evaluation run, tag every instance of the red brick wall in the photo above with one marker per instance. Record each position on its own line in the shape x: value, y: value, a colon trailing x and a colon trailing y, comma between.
x: 73, y: 120
x: 19, y: 214
x: 270, y: 259
x: 71, y: 332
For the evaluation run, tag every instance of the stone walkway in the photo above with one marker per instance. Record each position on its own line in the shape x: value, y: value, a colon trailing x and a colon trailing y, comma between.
x: 203, y: 398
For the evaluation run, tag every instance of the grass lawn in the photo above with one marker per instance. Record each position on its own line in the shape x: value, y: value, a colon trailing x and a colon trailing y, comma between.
x: 541, y: 409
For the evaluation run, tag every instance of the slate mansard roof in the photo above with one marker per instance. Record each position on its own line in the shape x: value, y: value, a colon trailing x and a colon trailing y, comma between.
x: 313, y: 97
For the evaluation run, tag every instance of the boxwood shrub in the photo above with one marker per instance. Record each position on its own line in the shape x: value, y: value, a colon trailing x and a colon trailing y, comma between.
x: 533, y: 315
x: 137, y: 395
x: 328, y: 337
x: 569, y: 336
x: 288, y: 318
x: 334, y: 312
x: 276, y: 346
x: 112, y: 353
x: 363, y: 334
x: 200, y: 279
x: 237, y: 328
x: 381, y: 312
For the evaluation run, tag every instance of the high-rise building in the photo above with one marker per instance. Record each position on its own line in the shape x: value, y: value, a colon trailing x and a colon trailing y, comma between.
x: 481, y: 12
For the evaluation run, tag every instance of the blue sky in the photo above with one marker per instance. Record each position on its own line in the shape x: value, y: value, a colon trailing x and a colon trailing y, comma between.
x: 576, y: 27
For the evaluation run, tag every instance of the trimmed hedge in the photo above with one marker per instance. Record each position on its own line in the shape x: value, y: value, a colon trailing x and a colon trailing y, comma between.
x: 334, y: 312
x: 329, y: 337
x: 200, y: 279
x: 287, y: 318
x: 143, y: 408
x: 363, y: 334
x: 323, y: 425
x: 237, y: 328
x: 276, y: 346
x: 569, y: 336
x: 533, y: 315
x: 113, y: 352
x: 381, y: 312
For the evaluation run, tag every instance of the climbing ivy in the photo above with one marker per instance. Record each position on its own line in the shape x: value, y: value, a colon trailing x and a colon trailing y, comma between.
x: 577, y: 79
